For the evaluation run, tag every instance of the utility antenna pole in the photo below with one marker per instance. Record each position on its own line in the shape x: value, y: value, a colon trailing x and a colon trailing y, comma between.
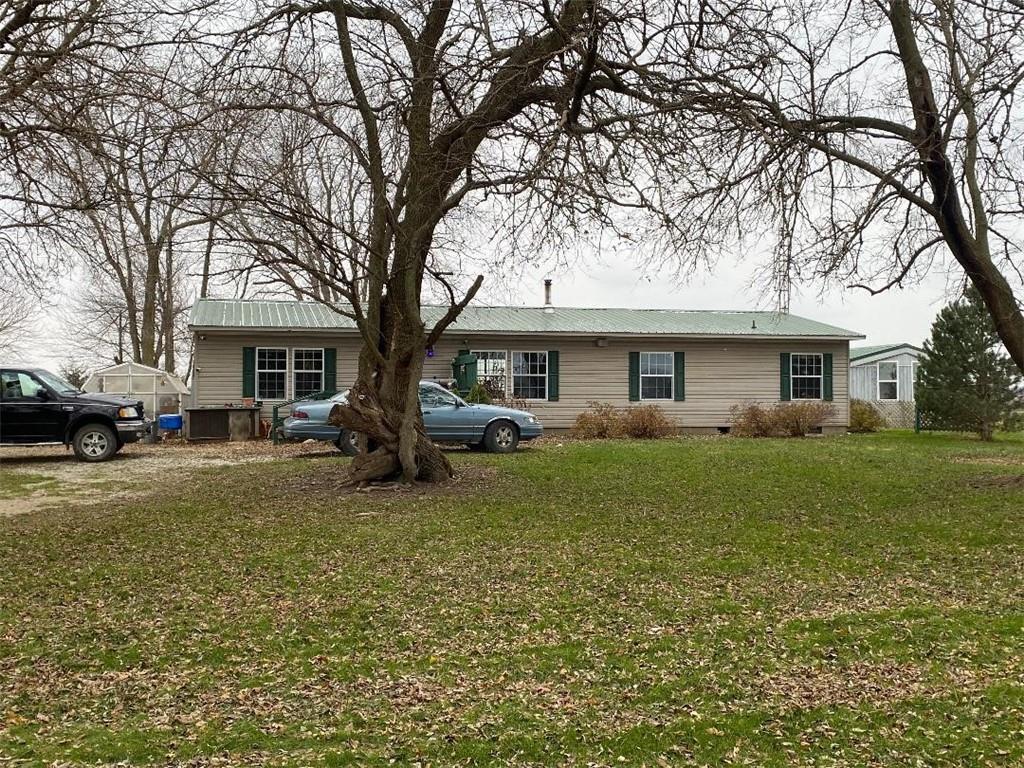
x: 783, y: 283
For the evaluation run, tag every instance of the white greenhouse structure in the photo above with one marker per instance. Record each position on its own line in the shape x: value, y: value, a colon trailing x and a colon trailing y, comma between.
x: 159, y: 391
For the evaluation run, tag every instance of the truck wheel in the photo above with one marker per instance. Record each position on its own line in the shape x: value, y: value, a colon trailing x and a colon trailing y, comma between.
x: 501, y: 437
x: 348, y: 442
x: 94, y: 442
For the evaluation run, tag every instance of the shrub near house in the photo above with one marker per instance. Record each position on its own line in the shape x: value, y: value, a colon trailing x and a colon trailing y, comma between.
x: 782, y: 420
x: 641, y: 422
x: 864, y: 418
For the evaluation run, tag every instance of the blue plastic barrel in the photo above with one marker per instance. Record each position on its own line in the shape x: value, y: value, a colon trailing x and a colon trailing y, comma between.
x: 170, y: 421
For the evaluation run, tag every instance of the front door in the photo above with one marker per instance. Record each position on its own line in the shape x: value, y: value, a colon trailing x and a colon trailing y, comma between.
x: 29, y: 412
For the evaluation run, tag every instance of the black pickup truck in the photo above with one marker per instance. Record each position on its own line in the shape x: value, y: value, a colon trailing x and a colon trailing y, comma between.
x: 38, y: 408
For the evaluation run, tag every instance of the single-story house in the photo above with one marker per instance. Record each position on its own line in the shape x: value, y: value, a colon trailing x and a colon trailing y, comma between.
x: 885, y: 375
x: 696, y: 365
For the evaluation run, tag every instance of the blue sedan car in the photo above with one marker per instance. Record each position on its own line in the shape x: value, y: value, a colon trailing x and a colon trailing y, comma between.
x: 447, y: 418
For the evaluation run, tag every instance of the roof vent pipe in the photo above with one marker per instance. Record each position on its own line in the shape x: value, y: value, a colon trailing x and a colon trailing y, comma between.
x: 549, y: 308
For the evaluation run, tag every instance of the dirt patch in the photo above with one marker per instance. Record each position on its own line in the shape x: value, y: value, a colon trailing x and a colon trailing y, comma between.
x: 134, y: 471
x: 468, y: 478
x: 1010, y: 482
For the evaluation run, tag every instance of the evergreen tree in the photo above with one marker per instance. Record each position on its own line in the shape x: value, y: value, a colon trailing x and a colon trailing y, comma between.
x: 74, y: 373
x: 966, y: 381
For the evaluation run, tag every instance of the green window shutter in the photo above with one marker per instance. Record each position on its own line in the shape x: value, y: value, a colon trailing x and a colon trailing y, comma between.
x: 330, y: 369
x: 248, y: 371
x: 826, y: 376
x: 634, y: 377
x: 679, y: 388
x: 784, y: 371
x: 553, y: 375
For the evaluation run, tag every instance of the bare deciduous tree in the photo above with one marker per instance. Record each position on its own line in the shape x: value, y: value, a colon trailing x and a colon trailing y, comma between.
x: 56, y: 57
x: 15, y: 321
x: 875, y: 135
x: 144, y: 221
x: 386, y: 123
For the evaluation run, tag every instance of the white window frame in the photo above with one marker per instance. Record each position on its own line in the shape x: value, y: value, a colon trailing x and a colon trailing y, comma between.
x: 508, y: 368
x: 671, y: 375
x: 879, y: 381
x: 820, y: 377
x: 512, y: 374
x: 293, y: 371
x: 285, y: 371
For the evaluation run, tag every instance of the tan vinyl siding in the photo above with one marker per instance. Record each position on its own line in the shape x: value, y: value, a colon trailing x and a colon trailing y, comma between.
x: 218, y: 362
x: 719, y: 373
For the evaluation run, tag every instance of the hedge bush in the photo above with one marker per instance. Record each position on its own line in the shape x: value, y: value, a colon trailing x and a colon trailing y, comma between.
x: 599, y: 422
x: 783, y: 420
x: 864, y: 417
x: 602, y: 421
x: 478, y: 394
x: 646, y: 422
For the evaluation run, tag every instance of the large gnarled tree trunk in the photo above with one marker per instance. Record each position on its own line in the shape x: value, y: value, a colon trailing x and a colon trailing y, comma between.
x: 383, y: 405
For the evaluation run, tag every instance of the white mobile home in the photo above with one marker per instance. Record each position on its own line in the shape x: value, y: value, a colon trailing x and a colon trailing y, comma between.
x: 885, y: 375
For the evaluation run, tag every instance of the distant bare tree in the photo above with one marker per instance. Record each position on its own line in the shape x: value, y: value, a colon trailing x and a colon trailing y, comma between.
x: 874, y: 135
x: 145, y: 223
x: 75, y: 78
x: 56, y: 56
x: 16, y: 319
x: 387, y: 124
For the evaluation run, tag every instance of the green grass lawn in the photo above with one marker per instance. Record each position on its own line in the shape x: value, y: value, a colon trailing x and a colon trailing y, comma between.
x: 838, y: 601
x: 16, y: 484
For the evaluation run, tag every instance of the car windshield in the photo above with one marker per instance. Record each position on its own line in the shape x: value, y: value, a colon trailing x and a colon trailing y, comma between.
x: 56, y: 383
x: 429, y: 394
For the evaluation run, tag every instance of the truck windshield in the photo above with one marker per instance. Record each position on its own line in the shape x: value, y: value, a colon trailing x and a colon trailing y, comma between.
x: 56, y: 383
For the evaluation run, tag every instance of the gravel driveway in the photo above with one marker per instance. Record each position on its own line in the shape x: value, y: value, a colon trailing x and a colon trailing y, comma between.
x: 35, y: 478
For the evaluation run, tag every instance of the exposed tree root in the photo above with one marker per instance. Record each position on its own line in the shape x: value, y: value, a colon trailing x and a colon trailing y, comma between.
x: 381, y: 462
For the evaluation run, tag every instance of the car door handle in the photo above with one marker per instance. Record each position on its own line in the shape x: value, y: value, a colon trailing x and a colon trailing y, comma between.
x: 426, y: 413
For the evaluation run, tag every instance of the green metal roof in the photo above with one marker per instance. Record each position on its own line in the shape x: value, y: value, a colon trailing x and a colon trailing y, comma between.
x: 308, y: 315
x: 856, y: 353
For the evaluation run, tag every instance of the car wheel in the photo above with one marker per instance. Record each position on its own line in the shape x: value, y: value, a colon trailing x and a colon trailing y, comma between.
x: 501, y: 437
x: 348, y: 442
x: 94, y: 442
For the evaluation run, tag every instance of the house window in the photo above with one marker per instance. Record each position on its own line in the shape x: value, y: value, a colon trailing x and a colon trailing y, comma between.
x: 271, y: 373
x: 491, y: 369
x: 307, y: 372
x: 805, y: 376
x: 888, y: 380
x: 530, y: 375
x: 655, y: 375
